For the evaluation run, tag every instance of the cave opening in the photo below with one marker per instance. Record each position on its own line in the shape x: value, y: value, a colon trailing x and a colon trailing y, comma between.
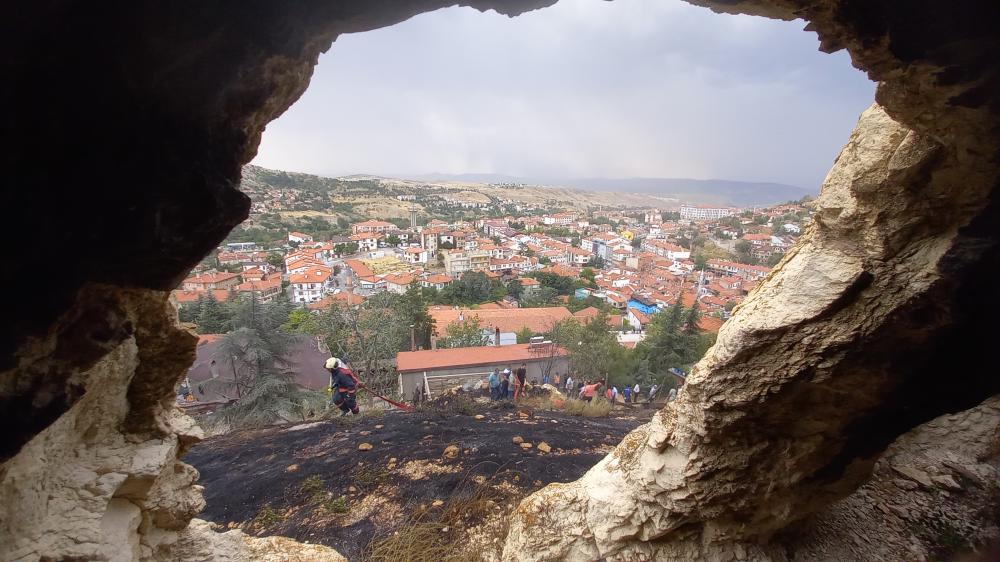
x: 864, y: 316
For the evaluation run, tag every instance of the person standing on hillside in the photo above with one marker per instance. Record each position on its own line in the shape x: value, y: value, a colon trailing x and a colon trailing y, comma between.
x: 627, y: 393
x: 519, y: 378
x: 569, y: 385
x: 504, y: 383
x: 495, y: 385
x: 635, y: 392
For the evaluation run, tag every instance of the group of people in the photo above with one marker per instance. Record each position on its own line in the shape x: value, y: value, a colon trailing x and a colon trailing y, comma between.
x: 501, y: 385
x: 630, y: 395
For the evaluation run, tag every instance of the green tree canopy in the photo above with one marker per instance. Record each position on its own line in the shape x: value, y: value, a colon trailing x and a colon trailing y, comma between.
x: 468, y: 333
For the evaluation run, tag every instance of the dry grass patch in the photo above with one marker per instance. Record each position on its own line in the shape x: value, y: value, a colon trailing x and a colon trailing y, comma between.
x: 598, y: 408
x: 441, y: 534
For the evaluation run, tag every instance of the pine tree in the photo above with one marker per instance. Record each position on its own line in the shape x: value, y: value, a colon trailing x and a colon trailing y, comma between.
x: 257, y: 350
x: 665, y: 341
x: 213, y: 317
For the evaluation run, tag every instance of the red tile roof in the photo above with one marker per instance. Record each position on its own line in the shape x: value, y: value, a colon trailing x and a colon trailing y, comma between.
x: 540, y: 320
x: 359, y: 268
x: 710, y: 323
x: 469, y: 357
x: 184, y: 297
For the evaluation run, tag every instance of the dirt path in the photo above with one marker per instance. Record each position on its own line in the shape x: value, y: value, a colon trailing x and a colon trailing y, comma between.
x: 312, y: 483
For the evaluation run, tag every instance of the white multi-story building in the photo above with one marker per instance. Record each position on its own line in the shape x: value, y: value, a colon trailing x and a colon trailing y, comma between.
x: 704, y: 212
x: 311, y: 285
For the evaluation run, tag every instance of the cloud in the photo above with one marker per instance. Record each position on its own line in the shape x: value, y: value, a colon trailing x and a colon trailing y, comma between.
x: 584, y: 88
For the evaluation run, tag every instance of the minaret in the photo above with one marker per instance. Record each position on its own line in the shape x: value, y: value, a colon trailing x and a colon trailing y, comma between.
x: 413, y: 218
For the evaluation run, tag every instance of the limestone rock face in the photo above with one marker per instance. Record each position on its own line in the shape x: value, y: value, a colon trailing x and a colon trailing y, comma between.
x: 86, y: 488
x: 200, y: 543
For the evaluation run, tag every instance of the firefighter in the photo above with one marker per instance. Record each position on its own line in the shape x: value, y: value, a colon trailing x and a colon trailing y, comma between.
x: 343, y: 385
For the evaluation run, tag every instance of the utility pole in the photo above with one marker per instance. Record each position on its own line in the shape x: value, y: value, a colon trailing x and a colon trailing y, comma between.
x: 413, y: 338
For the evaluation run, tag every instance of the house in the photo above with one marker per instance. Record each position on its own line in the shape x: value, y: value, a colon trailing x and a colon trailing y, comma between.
x: 638, y: 319
x: 299, y: 237
x: 311, y: 285
x: 266, y: 290
x: 529, y: 286
x: 508, y: 321
x: 578, y: 256
x: 757, y: 239
x: 212, y: 280
x: 398, y: 283
x: 188, y: 298
x: 372, y: 283
x: 437, y: 281
x: 444, y: 368
x: 665, y: 249
x: 743, y: 270
x: 415, y: 255
x: 366, y: 242
x: 372, y: 226
x: 301, y: 265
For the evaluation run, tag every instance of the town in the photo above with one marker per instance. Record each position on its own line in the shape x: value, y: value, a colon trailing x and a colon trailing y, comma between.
x: 521, y: 287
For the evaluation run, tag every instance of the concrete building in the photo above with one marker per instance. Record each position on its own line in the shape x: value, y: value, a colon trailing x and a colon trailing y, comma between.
x: 458, y: 262
x: 704, y: 212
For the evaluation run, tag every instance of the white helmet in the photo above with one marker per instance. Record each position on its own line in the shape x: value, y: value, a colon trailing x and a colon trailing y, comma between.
x: 334, y: 363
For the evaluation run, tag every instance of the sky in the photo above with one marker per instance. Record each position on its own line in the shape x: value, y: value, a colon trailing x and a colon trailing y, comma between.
x: 585, y: 88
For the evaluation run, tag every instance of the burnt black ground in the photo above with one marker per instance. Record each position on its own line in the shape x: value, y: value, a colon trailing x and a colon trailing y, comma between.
x: 242, y: 472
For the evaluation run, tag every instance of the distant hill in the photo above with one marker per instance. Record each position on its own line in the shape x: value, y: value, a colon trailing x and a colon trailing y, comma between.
x: 738, y: 193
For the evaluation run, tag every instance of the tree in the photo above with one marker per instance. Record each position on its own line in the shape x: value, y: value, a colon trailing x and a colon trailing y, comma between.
x: 189, y: 312
x: 467, y: 333
x: 346, y: 249
x: 774, y: 258
x: 515, y: 289
x: 473, y: 287
x: 562, y: 285
x: 412, y: 308
x: 368, y: 336
x: 263, y: 387
x: 594, y: 352
x: 276, y: 260
x: 700, y: 261
x: 392, y: 240
x: 743, y: 252
x: 664, y: 341
x: 597, y: 262
x: 213, y: 318
x: 545, y: 296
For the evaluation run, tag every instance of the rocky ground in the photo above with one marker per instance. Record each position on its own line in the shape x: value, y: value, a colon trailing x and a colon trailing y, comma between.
x: 376, y: 486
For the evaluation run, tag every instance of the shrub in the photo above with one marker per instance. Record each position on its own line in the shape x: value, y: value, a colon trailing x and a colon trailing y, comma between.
x: 336, y: 505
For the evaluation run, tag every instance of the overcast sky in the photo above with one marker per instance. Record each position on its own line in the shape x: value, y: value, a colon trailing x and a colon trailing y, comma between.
x: 586, y: 88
